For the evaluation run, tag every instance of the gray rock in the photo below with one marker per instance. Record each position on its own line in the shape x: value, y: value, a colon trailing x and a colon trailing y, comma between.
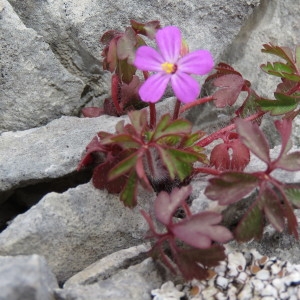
x: 26, y: 278
x: 47, y: 152
x: 73, y: 29
x: 275, y: 22
x: 35, y: 87
x: 109, y: 265
x: 76, y: 228
x: 134, y: 283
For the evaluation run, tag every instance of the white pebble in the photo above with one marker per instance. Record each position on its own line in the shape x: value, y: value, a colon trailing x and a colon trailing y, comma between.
x: 236, y: 263
x: 269, y: 290
x: 278, y: 284
x: 242, y: 277
x: 263, y: 275
x: 222, y: 282
x: 293, y: 278
x: 257, y: 285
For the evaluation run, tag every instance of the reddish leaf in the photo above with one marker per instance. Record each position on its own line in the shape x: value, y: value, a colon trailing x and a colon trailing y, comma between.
x: 230, y: 87
x: 92, y: 112
x: 193, y: 263
x: 293, y: 195
x: 100, y: 178
x: 240, y: 156
x: 219, y: 157
x: 289, y: 162
x: 148, y: 29
x: 251, y: 135
x: 201, y: 229
x: 230, y: 187
x: 284, y: 127
x: 272, y: 208
x: 166, y: 204
x: 251, y: 225
x: 291, y: 219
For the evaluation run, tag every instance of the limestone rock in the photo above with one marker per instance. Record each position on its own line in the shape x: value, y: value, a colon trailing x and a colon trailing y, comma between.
x: 134, y: 283
x: 26, y: 278
x: 47, y: 152
x: 76, y: 228
x: 35, y: 87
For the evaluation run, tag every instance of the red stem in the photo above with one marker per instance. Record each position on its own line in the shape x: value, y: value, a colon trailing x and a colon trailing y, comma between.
x: 294, y: 89
x: 115, y: 93
x: 176, y: 109
x: 216, y: 135
x: 152, y: 108
x: 209, y: 171
x: 194, y: 103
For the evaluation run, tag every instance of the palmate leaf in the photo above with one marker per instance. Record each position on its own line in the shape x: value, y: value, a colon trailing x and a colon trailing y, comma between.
x: 293, y: 195
x: 128, y: 194
x: 230, y: 187
x: 282, y: 105
x: 199, y: 230
x: 166, y: 204
x: 167, y: 126
x: 230, y: 87
x: 251, y: 225
x: 272, y: 208
x: 178, y: 162
x: 251, y: 135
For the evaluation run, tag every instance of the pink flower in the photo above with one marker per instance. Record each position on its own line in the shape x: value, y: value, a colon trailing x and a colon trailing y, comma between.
x: 169, y: 66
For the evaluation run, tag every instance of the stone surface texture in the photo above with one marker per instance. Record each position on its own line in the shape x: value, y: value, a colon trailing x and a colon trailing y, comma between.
x: 34, y: 86
x: 26, y: 278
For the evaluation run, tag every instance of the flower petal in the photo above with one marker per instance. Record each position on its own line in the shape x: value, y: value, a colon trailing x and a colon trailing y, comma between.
x: 154, y: 87
x: 198, y: 62
x: 185, y: 87
x: 168, y: 40
x: 148, y: 59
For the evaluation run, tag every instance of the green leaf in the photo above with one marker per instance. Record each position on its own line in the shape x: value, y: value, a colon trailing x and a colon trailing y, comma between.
x: 293, y: 195
x: 251, y: 226
x: 289, y: 162
x: 138, y: 119
x: 281, y: 70
x: 178, y: 162
x: 282, y: 105
x: 193, y: 138
x: 166, y: 126
x: 125, y: 141
x: 126, y: 70
x: 282, y: 52
x: 230, y: 187
x: 123, y: 167
x: 128, y: 194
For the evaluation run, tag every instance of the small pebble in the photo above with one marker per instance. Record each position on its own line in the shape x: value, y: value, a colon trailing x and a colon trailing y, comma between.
x: 263, y: 275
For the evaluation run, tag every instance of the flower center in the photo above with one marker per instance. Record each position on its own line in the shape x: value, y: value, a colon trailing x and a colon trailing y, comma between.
x: 169, y: 67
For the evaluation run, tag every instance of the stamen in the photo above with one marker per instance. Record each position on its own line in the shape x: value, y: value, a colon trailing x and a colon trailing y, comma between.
x: 169, y: 67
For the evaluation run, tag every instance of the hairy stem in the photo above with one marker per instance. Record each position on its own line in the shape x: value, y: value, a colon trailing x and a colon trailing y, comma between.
x: 176, y: 109
x: 115, y: 84
x: 206, y: 170
x: 216, y: 135
x: 152, y: 108
x: 195, y: 103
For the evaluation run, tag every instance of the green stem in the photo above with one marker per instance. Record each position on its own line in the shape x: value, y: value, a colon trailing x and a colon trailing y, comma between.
x: 195, y: 103
x: 216, y: 135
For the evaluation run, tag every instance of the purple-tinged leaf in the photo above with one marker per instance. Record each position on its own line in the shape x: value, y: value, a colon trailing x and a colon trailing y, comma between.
x: 166, y: 204
x: 240, y: 157
x: 138, y: 119
x: 291, y: 218
x: 251, y: 225
x: 148, y: 29
x: 191, y: 260
x: 293, y: 195
x: 284, y: 127
x: 297, y: 54
x: 272, y: 208
x: 128, y: 194
x: 251, y: 135
x: 219, y: 157
x: 230, y: 187
x: 283, y: 52
x: 200, y: 230
x: 124, y: 140
x: 289, y: 162
x: 230, y: 88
